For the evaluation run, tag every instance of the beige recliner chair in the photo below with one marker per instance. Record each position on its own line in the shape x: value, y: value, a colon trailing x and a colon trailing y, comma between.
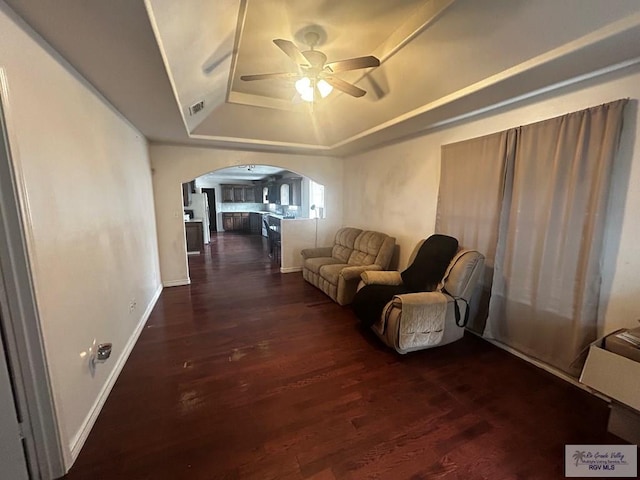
x: 415, y: 321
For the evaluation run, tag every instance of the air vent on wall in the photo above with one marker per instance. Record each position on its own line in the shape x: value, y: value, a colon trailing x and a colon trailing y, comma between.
x: 196, y: 107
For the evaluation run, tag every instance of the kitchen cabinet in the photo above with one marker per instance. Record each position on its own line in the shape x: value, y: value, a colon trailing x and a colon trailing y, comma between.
x: 236, y: 222
x: 274, y: 193
x: 274, y: 189
x: 239, y: 194
x: 244, y: 222
x: 250, y: 194
x: 255, y: 223
x: 227, y: 193
x: 227, y: 222
x: 195, y: 237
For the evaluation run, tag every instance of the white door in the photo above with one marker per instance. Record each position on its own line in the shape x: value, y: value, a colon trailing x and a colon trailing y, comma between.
x: 12, y: 459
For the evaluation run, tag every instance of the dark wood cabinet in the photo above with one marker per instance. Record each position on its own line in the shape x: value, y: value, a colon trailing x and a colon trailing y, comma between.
x: 239, y: 222
x: 239, y: 194
x: 227, y: 222
x: 250, y: 195
x: 275, y: 188
x: 254, y: 193
x: 274, y: 193
x: 236, y: 222
x: 195, y: 236
x: 255, y: 223
x: 227, y: 193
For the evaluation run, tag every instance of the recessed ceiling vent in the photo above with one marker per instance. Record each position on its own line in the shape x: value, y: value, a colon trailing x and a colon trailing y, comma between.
x: 196, y: 107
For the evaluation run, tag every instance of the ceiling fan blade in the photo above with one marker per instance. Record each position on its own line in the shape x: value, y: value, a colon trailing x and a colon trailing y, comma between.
x: 353, y: 64
x: 292, y: 51
x: 266, y: 76
x: 343, y: 86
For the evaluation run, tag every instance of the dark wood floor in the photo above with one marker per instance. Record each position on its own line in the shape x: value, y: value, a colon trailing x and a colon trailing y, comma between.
x: 252, y: 374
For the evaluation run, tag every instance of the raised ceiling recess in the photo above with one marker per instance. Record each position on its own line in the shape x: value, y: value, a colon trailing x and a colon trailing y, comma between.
x: 174, y: 68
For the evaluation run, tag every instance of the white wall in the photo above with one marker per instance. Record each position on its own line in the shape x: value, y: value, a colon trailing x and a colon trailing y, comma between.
x: 85, y: 183
x: 395, y: 188
x: 173, y: 165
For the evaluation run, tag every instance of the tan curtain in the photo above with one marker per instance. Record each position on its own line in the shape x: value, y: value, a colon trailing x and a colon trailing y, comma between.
x: 546, y: 284
x: 469, y: 201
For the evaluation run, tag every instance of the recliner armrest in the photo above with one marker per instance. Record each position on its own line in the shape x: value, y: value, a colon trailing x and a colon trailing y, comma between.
x: 374, y: 277
x: 425, y: 298
x: 316, y: 252
x: 353, y: 272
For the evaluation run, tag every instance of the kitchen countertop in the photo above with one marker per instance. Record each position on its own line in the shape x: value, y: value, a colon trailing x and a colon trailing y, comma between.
x: 271, y: 214
x: 282, y: 217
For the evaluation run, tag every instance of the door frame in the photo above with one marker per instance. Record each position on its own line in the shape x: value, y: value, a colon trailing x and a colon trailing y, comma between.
x: 213, y: 214
x: 20, y: 320
x: 13, y: 456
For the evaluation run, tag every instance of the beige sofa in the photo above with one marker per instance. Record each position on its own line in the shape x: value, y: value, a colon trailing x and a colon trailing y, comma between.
x: 336, y: 269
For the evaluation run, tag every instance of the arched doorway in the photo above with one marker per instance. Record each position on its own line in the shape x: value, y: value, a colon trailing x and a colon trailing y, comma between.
x: 251, y: 200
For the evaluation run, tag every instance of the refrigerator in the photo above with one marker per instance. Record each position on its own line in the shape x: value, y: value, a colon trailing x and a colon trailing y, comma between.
x: 200, y: 206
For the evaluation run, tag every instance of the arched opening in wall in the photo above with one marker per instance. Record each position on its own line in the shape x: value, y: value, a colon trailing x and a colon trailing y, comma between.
x: 249, y: 200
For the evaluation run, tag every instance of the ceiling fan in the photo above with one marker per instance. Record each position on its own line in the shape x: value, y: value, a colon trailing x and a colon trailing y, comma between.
x: 316, y: 77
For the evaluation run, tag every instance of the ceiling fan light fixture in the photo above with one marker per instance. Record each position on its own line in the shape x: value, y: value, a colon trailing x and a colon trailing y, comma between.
x: 313, y: 63
x: 304, y: 87
x: 324, y: 88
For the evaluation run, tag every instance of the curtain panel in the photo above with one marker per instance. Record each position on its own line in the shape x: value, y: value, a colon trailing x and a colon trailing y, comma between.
x: 546, y: 286
x: 533, y: 200
x: 472, y: 177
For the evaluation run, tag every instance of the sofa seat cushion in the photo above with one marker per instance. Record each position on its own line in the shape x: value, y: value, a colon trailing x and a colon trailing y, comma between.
x: 331, y: 273
x: 314, y: 264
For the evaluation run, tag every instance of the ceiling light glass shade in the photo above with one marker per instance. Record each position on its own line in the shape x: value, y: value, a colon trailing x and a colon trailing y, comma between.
x: 305, y: 89
x: 324, y: 88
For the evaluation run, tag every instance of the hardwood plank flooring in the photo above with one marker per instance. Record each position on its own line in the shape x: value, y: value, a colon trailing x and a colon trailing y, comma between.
x: 252, y: 374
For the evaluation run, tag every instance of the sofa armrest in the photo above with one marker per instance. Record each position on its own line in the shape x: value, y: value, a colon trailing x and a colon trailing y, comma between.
x: 316, y: 252
x: 375, y: 277
x: 354, y: 272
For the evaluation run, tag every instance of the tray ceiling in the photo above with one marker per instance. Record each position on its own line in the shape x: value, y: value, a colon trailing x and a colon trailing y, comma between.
x: 441, y: 59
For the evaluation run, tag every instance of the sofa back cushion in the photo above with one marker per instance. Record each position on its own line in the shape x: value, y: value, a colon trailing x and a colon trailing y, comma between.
x: 344, y: 242
x: 367, y: 247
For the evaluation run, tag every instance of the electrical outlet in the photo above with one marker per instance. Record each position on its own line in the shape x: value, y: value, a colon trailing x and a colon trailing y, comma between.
x: 132, y: 305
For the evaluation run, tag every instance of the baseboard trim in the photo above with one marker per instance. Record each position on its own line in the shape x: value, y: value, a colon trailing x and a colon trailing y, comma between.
x: 78, y: 441
x: 539, y: 364
x: 177, y: 283
x: 290, y: 269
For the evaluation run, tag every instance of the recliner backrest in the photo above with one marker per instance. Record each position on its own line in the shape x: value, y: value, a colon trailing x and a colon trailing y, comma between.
x: 412, y: 257
x: 344, y: 243
x: 463, y: 273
